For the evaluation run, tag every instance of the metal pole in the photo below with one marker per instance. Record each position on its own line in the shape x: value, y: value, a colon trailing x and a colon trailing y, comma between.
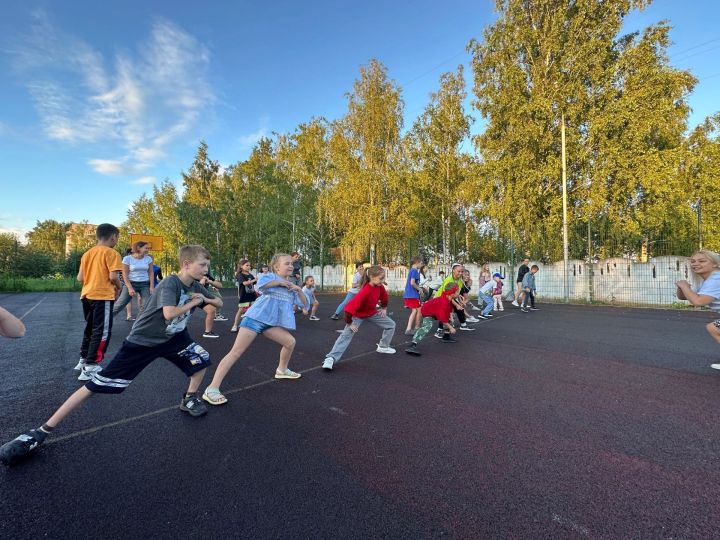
x: 565, y: 233
x: 699, y: 223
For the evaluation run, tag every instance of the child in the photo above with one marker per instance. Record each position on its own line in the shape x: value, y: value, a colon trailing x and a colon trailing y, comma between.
x: 357, y: 277
x: 264, y: 269
x: 497, y: 293
x: 272, y: 316
x: 312, y: 302
x: 705, y: 266
x: 99, y: 273
x: 435, y: 283
x: 522, y: 270
x: 246, y: 291
x: 439, y: 309
x: 212, y: 313
x: 160, y: 331
x: 485, y: 294
x: 363, y: 307
x: 528, y: 286
x: 10, y: 325
x: 411, y: 296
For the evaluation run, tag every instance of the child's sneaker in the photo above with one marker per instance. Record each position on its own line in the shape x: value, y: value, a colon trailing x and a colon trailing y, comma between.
x: 193, y: 406
x: 385, y: 350
x: 524, y: 310
x: 212, y: 335
x: 19, y: 448
x: 466, y: 328
x: 447, y: 339
x: 439, y: 333
x: 472, y: 319
x: 221, y: 318
x: 287, y: 374
x: 233, y: 329
x: 87, y: 371
x: 715, y: 366
x: 79, y: 365
x: 534, y: 309
x: 313, y: 318
x: 412, y: 349
x: 335, y: 317
x: 328, y: 363
x: 514, y: 303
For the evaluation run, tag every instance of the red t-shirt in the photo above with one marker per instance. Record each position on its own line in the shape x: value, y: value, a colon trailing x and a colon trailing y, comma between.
x: 439, y: 308
x: 364, y: 303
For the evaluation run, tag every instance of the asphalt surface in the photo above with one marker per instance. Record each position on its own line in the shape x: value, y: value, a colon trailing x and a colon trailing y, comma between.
x: 569, y: 422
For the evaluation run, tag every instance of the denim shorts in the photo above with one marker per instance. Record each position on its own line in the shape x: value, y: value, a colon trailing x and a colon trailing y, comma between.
x: 254, y: 325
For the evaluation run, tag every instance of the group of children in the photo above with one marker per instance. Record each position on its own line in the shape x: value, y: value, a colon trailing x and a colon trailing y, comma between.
x: 267, y: 306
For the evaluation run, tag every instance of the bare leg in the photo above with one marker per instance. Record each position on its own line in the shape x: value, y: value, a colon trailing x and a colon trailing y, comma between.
x: 73, y: 402
x: 128, y: 311
x: 195, y: 381
x: 209, y: 317
x: 243, y: 340
x: 714, y: 331
x: 284, y: 338
x: 240, y: 311
x: 314, y: 308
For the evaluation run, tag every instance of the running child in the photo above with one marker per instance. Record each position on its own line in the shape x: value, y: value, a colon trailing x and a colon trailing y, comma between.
x: 363, y: 307
x: 312, y: 302
x: 246, y: 290
x: 705, y: 266
x: 99, y: 272
x: 160, y: 331
x: 271, y: 316
x: 411, y: 296
x: 438, y: 309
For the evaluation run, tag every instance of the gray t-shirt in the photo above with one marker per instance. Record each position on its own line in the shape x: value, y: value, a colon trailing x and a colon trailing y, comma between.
x: 151, y: 328
x: 711, y: 287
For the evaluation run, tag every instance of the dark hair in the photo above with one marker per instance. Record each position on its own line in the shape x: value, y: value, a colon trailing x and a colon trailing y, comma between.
x: 359, y: 265
x: 105, y: 231
x: 370, y: 272
x: 307, y: 278
x: 137, y: 246
x: 415, y: 259
x: 128, y: 251
x: 240, y: 264
x: 535, y: 267
x: 294, y: 253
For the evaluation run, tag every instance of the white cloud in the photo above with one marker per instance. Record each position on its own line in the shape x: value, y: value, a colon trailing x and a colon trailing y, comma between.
x: 140, y: 102
x: 144, y: 180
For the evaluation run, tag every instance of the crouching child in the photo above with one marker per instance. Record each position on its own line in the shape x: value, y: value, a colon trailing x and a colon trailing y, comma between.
x: 160, y: 331
x: 438, y: 309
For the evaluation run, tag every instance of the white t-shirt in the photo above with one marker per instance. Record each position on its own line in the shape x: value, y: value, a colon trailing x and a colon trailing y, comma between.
x: 488, y: 287
x: 138, y: 267
x: 711, y: 287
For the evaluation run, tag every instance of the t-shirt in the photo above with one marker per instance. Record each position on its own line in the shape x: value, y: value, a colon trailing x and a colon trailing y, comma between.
x: 498, y: 287
x: 309, y: 295
x: 96, y: 265
x: 138, y: 267
x: 711, y: 287
x: 356, y: 279
x: 157, y: 274
x: 447, y: 281
x: 243, y: 295
x: 524, y: 269
x: 488, y: 287
x: 151, y: 328
x: 438, y: 308
x: 410, y: 291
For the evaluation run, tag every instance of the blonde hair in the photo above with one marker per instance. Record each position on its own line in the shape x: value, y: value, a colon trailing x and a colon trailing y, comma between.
x: 276, y: 259
x: 714, y: 257
x: 192, y: 253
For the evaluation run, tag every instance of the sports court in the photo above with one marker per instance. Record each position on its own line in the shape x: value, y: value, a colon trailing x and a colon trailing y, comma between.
x: 569, y: 422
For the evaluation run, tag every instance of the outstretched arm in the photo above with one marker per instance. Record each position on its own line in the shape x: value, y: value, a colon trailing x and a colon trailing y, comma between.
x: 10, y: 325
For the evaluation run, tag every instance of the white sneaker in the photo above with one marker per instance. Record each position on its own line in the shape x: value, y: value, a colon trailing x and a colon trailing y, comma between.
x: 328, y: 364
x: 715, y: 366
x: 220, y: 318
x: 385, y: 350
x: 514, y: 303
x: 87, y: 371
x: 79, y: 365
x: 471, y: 319
x: 475, y: 308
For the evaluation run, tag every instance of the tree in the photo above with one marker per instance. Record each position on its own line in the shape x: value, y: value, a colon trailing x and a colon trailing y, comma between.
x: 49, y: 237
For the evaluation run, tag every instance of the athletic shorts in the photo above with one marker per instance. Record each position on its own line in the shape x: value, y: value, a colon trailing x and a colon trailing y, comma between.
x: 254, y: 325
x: 412, y: 303
x: 131, y: 359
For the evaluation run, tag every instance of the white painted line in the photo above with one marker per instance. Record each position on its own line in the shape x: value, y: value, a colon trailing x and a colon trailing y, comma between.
x: 571, y: 524
x: 36, y: 305
x: 174, y: 407
x: 338, y: 410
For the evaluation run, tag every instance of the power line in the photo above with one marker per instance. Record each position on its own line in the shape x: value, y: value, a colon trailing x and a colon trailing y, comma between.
x: 697, y: 46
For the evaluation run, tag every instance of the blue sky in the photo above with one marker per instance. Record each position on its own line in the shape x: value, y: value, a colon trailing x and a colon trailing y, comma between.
x: 99, y: 100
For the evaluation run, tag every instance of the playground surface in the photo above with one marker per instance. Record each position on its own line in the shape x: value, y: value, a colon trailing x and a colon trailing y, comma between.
x: 568, y: 422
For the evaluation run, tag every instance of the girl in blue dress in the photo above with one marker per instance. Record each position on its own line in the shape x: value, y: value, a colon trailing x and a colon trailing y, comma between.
x: 272, y: 316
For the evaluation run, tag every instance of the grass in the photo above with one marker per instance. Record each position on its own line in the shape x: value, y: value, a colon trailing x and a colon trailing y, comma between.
x: 39, y: 284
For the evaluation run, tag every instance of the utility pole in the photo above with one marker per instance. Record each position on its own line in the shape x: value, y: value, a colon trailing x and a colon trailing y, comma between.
x: 566, y: 295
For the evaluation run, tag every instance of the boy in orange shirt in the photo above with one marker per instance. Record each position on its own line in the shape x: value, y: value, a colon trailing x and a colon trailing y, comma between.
x: 99, y: 273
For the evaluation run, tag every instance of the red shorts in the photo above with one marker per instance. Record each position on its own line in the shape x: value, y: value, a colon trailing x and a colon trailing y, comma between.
x: 412, y: 303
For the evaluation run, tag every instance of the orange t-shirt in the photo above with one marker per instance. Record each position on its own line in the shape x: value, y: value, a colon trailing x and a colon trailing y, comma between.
x: 96, y: 265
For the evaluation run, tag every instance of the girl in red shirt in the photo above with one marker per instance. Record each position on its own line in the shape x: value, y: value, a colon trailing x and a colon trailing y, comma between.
x: 363, y: 307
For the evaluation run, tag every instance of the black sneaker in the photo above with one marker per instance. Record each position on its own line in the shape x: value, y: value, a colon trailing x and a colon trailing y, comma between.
x: 335, y: 317
x: 412, y: 349
x: 534, y: 309
x: 524, y: 310
x: 193, y: 406
x: 439, y: 334
x: 20, y: 447
x: 210, y: 335
x: 447, y: 339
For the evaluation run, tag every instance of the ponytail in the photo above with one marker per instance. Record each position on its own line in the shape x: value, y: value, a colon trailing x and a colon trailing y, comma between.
x: 370, y: 272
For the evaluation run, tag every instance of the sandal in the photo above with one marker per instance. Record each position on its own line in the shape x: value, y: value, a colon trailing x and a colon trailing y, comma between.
x: 213, y: 396
x: 287, y: 374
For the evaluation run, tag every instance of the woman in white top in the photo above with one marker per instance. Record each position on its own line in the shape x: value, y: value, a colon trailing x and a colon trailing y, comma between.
x: 138, y: 278
x: 705, y: 266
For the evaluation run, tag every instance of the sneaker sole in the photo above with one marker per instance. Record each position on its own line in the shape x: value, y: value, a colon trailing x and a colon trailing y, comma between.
x: 210, y: 337
x: 277, y: 376
x: 193, y: 412
x: 413, y: 353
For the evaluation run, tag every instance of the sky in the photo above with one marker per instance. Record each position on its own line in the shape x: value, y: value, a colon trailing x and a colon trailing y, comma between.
x: 101, y: 100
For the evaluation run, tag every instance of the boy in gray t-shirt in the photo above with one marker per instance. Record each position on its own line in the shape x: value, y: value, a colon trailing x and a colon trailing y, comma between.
x: 160, y: 331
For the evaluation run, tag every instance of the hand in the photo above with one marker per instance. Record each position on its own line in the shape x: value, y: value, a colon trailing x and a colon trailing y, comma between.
x: 682, y: 284
x: 152, y: 290
x: 354, y: 327
x: 131, y: 291
x: 305, y: 311
x: 382, y: 312
x: 452, y: 330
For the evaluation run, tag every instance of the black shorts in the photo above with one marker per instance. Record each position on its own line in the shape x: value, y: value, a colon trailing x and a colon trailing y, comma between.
x: 131, y: 359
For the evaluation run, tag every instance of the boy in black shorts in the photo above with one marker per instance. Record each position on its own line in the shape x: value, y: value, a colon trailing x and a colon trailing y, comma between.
x: 160, y: 331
